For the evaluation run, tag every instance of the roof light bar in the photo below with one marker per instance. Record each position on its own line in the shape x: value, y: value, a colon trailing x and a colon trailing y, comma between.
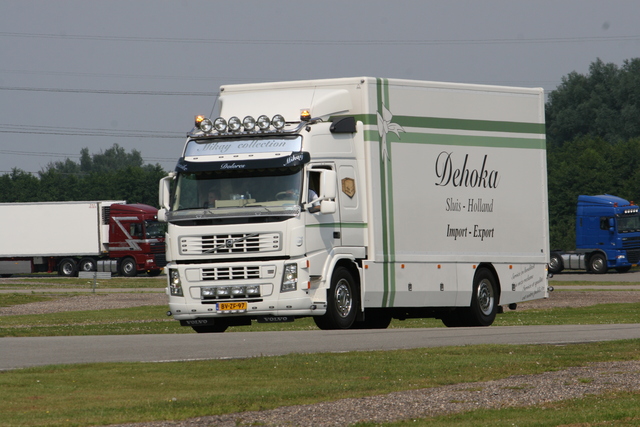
x: 235, y: 125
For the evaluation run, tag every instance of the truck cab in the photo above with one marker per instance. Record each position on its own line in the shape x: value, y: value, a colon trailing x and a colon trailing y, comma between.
x: 607, y: 236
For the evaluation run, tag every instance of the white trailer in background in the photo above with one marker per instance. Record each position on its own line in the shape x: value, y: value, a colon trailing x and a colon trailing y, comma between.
x: 359, y: 200
x: 68, y: 237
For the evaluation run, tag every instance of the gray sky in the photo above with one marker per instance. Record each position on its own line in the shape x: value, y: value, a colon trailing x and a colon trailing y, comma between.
x: 86, y: 73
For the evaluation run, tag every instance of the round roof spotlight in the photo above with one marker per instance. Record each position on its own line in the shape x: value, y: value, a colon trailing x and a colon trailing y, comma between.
x: 220, y: 124
x: 278, y: 122
x: 249, y: 123
x: 206, y: 125
x: 234, y: 124
x: 263, y: 122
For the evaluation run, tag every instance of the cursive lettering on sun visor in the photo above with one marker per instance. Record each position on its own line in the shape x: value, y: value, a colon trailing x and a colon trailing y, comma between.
x: 290, y: 160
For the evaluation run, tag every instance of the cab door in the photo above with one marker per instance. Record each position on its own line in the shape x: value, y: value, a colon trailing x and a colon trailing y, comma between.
x: 322, y: 230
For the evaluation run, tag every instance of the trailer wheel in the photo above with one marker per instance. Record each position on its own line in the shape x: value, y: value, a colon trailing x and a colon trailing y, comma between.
x: 555, y: 264
x: 484, y: 301
x: 342, y: 302
x: 598, y: 263
x: 67, y: 267
x: 87, y: 264
x: 128, y: 267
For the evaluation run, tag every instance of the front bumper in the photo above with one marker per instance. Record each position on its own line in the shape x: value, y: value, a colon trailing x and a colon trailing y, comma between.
x: 200, y: 281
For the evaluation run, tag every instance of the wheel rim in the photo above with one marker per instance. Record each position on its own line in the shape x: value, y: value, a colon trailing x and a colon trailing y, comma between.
x: 554, y: 263
x: 485, y: 297
x: 597, y: 264
x: 128, y: 267
x: 343, y: 298
x: 67, y: 268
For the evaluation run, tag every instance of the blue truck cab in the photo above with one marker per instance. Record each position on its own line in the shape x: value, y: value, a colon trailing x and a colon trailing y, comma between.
x: 607, y: 236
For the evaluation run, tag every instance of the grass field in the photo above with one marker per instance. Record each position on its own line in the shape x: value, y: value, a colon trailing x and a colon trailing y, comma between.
x: 100, y: 394
x: 110, y: 393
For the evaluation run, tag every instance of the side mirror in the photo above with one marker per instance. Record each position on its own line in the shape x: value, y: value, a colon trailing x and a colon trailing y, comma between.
x: 328, y: 184
x: 327, y: 207
x: 164, y: 193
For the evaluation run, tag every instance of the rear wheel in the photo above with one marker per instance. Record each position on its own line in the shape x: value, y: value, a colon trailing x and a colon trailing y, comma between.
x: 555, y: 264
x: 67, y: 267
x: 342, y: 302
x: 87, y: 264
x: 484, y: 302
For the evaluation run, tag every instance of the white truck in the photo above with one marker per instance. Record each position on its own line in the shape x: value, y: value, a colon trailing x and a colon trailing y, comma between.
x: 358, y: 200
x: 68, y: 237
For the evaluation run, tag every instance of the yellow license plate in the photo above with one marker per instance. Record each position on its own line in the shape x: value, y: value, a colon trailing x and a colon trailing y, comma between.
x: 232, y: 306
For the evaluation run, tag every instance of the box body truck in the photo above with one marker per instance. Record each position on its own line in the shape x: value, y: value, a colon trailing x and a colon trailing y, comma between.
x: 68, y: 237
x: 356, y: 201
x: 607, y: 237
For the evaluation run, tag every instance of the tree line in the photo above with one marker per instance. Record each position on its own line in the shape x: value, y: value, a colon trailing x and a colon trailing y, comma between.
x: 111, y: 175
x: 593, y: 147
x: 593, y: 141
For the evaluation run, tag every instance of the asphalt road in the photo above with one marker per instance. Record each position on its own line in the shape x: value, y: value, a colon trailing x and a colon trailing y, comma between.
x: 25, y: 352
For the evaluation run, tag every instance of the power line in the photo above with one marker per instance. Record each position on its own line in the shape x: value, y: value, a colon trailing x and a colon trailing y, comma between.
x: 323, y: 42
x: 108, y: 91
x: 74, y: 131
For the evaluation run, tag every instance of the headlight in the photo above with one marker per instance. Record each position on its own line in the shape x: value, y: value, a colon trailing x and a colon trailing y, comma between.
x: 263, y: 122
x: 220, y: 124
x: 289, y: 278
x: 175, y: 284
x: 223, y: 291
x: 234, y: 124
x: 253, y: 290
x: 278, y: 121
x: 237, y: 291
x: 249, y: 123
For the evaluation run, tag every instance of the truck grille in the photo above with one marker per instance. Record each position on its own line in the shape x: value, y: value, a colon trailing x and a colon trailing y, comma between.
x: 631, y: 242
x: 231, y: 273
x: 230, y: 244
x: 633, y: 256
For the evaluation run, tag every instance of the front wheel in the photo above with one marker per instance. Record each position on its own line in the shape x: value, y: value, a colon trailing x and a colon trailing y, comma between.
x: 598, y: 263
x: 128, y: 267
x: 342, y: 302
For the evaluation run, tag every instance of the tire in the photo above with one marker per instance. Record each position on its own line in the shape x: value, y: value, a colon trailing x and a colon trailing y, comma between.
x: 67, y: 268
x: 87, y: 264
x: 208, y: 329
x: 484, y: 301
x: 342, y: 302
x: 128, y: 267
x: 598, y: 263
x: 555, y: 264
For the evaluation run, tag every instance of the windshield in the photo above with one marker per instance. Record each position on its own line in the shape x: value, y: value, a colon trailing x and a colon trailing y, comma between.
x: 240, y: 188
x: 154, y: 229
x: 628, y: 224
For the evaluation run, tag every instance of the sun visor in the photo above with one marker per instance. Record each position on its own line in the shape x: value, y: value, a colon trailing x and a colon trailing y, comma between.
x: 291, y: 160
